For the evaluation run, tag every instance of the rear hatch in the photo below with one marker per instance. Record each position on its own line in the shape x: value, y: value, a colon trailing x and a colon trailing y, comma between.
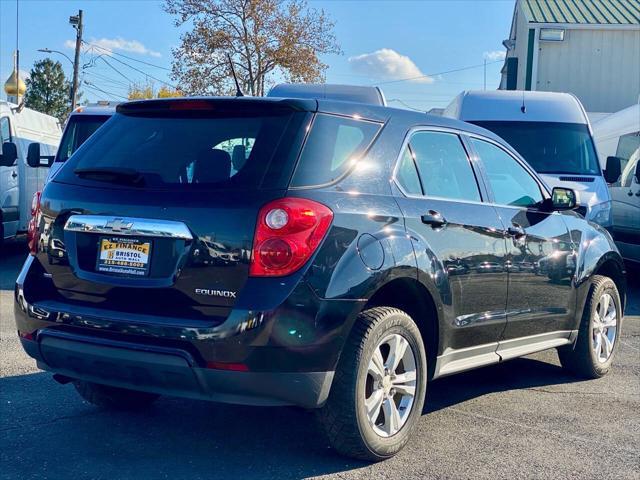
x: 156, y: 214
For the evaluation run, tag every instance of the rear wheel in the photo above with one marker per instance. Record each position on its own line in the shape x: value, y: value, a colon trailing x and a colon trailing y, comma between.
x: 378, y: 392
x: 113, y: 397
x: 597, y: 341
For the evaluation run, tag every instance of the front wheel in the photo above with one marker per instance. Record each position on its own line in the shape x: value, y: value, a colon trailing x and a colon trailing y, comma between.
x: 379, y: 388
x: 599, y: 331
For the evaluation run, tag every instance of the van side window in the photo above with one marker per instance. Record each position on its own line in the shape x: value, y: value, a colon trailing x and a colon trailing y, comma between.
x: 444, y: 167
x: 407, y: 175
x: 5, y: 130
x: 628, y: 146
x: 510, y: 181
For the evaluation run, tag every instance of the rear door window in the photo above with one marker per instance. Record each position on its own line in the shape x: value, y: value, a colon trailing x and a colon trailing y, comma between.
x: 444, y: 167
x: 334, y: 145
x: 77, y: 131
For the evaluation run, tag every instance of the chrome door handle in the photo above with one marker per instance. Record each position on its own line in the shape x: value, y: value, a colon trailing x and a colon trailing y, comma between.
x: 433, y: 218
x: 516, y: 231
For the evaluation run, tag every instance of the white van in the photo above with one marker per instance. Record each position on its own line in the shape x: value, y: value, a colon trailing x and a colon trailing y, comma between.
x: 552, y: 132
x: 618, y: 135
x: 20, y: 178
x: 80, y: 125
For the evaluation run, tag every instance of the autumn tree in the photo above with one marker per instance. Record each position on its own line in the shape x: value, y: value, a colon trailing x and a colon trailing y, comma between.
x: 139, y: 92
x: 48, y: 89
x: 266, y: 40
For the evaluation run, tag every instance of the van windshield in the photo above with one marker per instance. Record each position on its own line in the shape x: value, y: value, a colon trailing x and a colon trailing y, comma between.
x: 550, y: 147
x: 77, y: 131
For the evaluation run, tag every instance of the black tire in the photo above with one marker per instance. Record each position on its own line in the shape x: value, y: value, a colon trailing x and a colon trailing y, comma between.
x: 114, y: 398
x: 343, y: 417
x: 580, y: 359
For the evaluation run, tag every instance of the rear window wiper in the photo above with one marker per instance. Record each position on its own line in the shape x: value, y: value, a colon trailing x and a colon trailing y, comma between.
x: 111, y: 174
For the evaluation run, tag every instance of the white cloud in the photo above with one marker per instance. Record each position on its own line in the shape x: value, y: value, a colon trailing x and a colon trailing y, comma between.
x: 495, y: 55
x: 387, y: 64
x: 108, y: 45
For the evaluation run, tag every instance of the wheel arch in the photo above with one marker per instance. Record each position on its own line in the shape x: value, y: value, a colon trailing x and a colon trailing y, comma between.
x: 414, y: 298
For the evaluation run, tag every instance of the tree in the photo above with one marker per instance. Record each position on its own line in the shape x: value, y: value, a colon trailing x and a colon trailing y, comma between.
x: 266, y: 40
x: 48, y: 89
x: 139, y: 92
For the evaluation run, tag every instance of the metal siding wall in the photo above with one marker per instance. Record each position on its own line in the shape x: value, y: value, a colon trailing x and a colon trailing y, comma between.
x: 600, y: 67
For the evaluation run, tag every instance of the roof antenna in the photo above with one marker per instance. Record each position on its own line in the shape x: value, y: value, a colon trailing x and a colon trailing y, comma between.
x: 523, y: 107
x: 235, y: 78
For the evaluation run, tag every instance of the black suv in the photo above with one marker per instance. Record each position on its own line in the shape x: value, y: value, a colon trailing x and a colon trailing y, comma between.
x: 319, y: 253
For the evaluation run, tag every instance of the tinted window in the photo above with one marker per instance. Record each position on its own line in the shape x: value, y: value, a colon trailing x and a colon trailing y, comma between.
x: 334, y: 145
x: 183, y: 149
x: 5, y: 131
x: 550, y: 147
x: 445, y: 169
x: 628, y: 147
x: 407, y: 175
x: 510, y: 181
x: 77, y: 131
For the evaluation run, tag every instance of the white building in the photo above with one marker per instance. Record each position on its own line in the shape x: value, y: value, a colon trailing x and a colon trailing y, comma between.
x: 590, y: 48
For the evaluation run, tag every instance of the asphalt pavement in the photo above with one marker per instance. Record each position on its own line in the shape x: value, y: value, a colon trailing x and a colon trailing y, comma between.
x: 522, y: 419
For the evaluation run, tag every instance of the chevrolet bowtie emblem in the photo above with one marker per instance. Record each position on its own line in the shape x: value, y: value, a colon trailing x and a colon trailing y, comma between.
x: 118, y: 225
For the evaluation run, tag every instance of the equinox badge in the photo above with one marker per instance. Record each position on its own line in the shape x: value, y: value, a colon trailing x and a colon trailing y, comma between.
x: 215, y: 293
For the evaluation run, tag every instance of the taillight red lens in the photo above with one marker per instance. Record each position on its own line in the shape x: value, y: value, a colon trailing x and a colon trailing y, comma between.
x: 32, y: 227
x: 283, y: 242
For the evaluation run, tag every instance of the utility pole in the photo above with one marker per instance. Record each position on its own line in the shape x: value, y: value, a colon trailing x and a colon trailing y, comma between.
x: 485, y: 73
x: 76, y: 21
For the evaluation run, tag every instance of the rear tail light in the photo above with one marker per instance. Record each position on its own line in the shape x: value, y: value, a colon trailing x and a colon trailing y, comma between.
x: 288, y: 232
x: 33, y: 235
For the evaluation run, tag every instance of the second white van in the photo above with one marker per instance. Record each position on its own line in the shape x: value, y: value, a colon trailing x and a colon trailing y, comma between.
x: 552, y: 132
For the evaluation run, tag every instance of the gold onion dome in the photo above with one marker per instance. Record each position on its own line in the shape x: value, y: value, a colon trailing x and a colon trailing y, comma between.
x: 10, y: 85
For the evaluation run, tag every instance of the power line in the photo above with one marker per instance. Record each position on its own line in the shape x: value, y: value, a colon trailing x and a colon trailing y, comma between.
x: 116, y: 70
x: 104, y: 78
x: 144, y: 73
x: 92, y: 86
x: 406, y: 105
x: 126, y: 56
x: 438, y: 73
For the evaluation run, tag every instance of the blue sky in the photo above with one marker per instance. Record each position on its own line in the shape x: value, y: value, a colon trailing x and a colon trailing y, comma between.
x: 382, y: 41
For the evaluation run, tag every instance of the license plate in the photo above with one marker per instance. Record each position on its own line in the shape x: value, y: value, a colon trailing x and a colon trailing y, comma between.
x: 124, y: 256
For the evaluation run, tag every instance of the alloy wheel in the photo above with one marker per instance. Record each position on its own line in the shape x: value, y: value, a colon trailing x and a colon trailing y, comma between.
x: 604, y: 327
x: 390, y: 385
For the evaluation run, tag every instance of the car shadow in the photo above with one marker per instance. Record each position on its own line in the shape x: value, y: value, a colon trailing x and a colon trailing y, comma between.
x: 517, y: 374
x: 47, y: 422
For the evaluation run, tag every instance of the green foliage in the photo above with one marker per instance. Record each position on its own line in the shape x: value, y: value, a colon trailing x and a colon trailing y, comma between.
x: 48, y: 89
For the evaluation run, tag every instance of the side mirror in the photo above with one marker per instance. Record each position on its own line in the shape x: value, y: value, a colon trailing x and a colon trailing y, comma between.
x: 34, y: 159
x: 563, y: 199
x: 9, y: 154
x: 613, y: 170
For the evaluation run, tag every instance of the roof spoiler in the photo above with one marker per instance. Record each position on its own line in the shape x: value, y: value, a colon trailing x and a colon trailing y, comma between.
x: 328, y: 91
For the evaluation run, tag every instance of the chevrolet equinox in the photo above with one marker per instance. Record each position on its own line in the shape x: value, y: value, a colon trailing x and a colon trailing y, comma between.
x: 326, y: 254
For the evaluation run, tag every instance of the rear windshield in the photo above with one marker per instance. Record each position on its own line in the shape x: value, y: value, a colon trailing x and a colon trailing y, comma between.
x: 550, y: 147
x: 186, y: 149
x: 78, y: 130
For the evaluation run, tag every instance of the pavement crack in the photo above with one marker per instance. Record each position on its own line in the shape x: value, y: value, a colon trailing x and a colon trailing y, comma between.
x: 52, y: 421
x: 578, y: 392
x: 598, y: 442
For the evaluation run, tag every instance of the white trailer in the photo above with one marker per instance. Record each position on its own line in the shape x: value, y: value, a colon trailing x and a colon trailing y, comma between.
x: 19, y: 128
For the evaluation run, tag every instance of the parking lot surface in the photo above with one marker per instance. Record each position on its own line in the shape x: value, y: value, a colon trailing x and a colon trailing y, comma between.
x: 522, y: 419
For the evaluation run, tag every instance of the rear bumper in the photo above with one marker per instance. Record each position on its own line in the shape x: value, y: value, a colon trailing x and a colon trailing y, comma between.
x: 289, y: 353
x: 171, y: 372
